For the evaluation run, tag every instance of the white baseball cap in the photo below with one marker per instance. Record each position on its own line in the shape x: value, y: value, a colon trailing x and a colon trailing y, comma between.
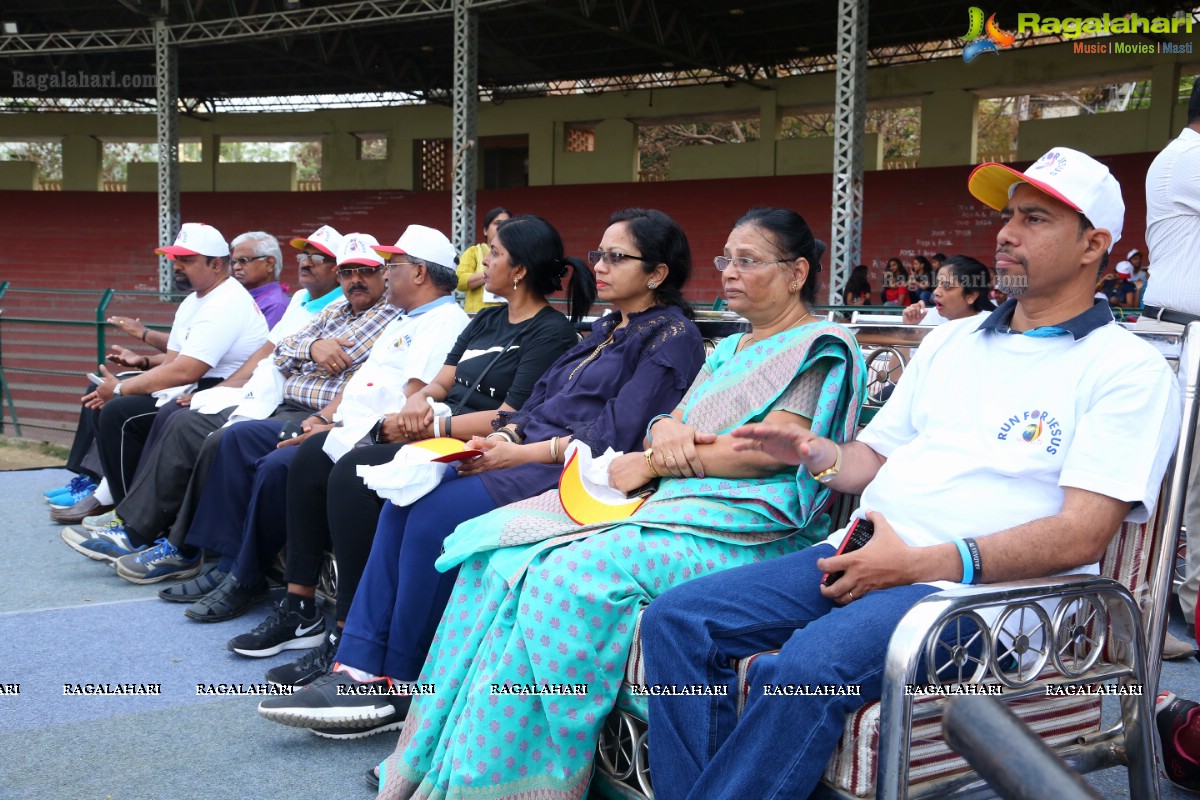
x: 196, y: 238
x: 324, y: 238
x: 1134, y: 252
x: 427, y: 244
x: 359, y: 248
x: 1124, y: 268
x: 1067, y: 175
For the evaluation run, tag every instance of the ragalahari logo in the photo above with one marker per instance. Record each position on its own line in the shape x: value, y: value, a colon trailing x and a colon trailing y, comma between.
x: 984, y: 38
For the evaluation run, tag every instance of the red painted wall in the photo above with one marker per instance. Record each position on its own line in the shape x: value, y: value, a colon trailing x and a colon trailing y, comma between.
x: 91, y: 240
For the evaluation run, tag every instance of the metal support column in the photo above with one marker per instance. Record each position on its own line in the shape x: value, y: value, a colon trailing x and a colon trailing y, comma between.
x: 848, y: 129
x: 166, y: 75
x: 466, y: 99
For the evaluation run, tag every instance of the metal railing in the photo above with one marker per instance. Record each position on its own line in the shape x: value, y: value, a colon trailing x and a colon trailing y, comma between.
x: 82, y: 315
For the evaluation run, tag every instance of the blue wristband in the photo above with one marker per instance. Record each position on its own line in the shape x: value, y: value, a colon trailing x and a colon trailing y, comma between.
x: 650, y: 424
x: 968, y: 575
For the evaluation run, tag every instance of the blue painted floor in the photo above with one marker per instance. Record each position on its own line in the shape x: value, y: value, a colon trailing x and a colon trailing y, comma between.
x: 65, y: 619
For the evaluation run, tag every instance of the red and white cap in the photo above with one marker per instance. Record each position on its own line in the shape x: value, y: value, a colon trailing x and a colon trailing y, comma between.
x: 196, y: 238
x: 359, y: 248
x: 324, y: 238
x: 1067, y: 175
x: 1125, y: 268
x: 427, y: 244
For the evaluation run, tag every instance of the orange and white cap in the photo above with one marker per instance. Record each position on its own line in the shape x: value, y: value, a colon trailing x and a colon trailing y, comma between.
x: 196, y: 238
x: 325, y: 238
x: 1067, y: 175
x: 359, y: 248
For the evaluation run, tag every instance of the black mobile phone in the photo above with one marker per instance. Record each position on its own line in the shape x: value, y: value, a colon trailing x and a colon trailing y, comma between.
x: 861, y: 531
x: 290, y: 430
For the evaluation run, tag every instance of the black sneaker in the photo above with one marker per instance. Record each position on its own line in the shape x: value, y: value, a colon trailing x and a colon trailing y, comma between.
x: 193, y: 590
x: 309, y: 667
x: 283, y: 629
x: 1171, y: 714
x: 360, y: 733
x: 336, y: 700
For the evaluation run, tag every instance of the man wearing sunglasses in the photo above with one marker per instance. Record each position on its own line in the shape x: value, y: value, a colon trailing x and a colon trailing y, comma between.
x: 257, y: 261
x: 311, y: 366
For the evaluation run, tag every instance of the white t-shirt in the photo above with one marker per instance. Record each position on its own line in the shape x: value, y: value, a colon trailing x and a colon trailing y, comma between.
x: 221, y: 329
x: 410, y: 347
x: 297, y: 315
x: 986, y: 429
x: 1173, y: 225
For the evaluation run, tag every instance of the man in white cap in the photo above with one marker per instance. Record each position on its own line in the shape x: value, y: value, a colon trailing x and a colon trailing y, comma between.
x: 1037, y: 452
x: 312, y: 364
x: 216, y: 328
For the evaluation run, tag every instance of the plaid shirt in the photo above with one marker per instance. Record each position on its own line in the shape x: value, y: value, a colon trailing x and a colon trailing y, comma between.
x: 307, y: 382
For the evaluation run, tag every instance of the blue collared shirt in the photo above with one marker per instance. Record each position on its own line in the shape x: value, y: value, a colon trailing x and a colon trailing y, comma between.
x: 430, y: 306
x: 1099, y: 315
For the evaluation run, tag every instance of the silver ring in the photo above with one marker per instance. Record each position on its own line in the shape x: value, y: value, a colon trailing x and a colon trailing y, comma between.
x: 851, y: 595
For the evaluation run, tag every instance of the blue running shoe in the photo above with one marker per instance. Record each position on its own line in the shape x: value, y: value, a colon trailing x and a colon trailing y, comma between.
x: 158, y: 563
x: 70, y: 496
x: 105, y: 545
x: 76, y: 482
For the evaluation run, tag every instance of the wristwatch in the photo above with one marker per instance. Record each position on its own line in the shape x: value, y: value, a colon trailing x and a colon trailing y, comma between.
x: 827, y: 475
x: 377, y: 430
x: 117, y: 390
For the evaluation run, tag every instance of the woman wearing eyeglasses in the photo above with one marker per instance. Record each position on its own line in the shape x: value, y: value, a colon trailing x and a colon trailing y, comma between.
x: 637, y: 362
x: 541, y: 602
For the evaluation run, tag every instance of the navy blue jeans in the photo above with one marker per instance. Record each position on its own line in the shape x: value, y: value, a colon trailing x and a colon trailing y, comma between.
x: 401, y: 597
x: 242, y: 509
x: 781, y: 744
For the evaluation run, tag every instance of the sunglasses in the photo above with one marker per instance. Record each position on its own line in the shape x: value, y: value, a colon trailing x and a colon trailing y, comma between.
x: 366, y: 272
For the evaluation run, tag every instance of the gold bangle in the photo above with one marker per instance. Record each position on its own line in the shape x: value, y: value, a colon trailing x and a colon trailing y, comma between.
x: 650, y: 462
x: 553, y: 449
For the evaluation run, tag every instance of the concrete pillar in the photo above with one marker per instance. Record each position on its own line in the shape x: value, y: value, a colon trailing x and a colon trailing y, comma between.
x: 210, y: 156
x: 81, y: 163
x: 768, y: 132
x: 949, y: 128
x: 542, y: 146
x: 339, y: 151
x: 399, y: 161
x: 617, y: 148
x: 1164, y: 93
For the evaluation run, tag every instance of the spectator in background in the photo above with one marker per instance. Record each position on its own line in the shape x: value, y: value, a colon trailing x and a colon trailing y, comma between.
x: 1173, y: 300
x: 895, y: 284
x: 471, y: 266
x: 1117, y: 288
x: 938, y: 260
x: 256, y: 262
x: 857, y: 291
x: 962, y: 291
x: 921, y: 280
x: 1138, y: 273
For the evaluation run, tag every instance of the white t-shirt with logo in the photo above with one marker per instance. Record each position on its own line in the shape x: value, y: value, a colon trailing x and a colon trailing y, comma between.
x: 986, y: 429
x: 221, y: 329
x: 409, y: 348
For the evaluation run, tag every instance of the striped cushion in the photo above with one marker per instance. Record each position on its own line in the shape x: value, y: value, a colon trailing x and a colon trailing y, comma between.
x: 855, y: 761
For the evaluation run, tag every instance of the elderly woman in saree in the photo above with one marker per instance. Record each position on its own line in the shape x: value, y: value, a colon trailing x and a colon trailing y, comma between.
x: 541, y: 602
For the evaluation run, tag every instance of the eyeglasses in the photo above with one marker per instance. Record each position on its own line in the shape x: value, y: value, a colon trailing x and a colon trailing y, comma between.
x: 316, y: 260
x: 612, y: 258
x: 366, y: 272
x: 722, y: 263
x: 243, y: 261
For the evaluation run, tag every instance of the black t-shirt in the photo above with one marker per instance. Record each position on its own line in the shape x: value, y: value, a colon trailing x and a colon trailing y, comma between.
x: 525, y: 351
